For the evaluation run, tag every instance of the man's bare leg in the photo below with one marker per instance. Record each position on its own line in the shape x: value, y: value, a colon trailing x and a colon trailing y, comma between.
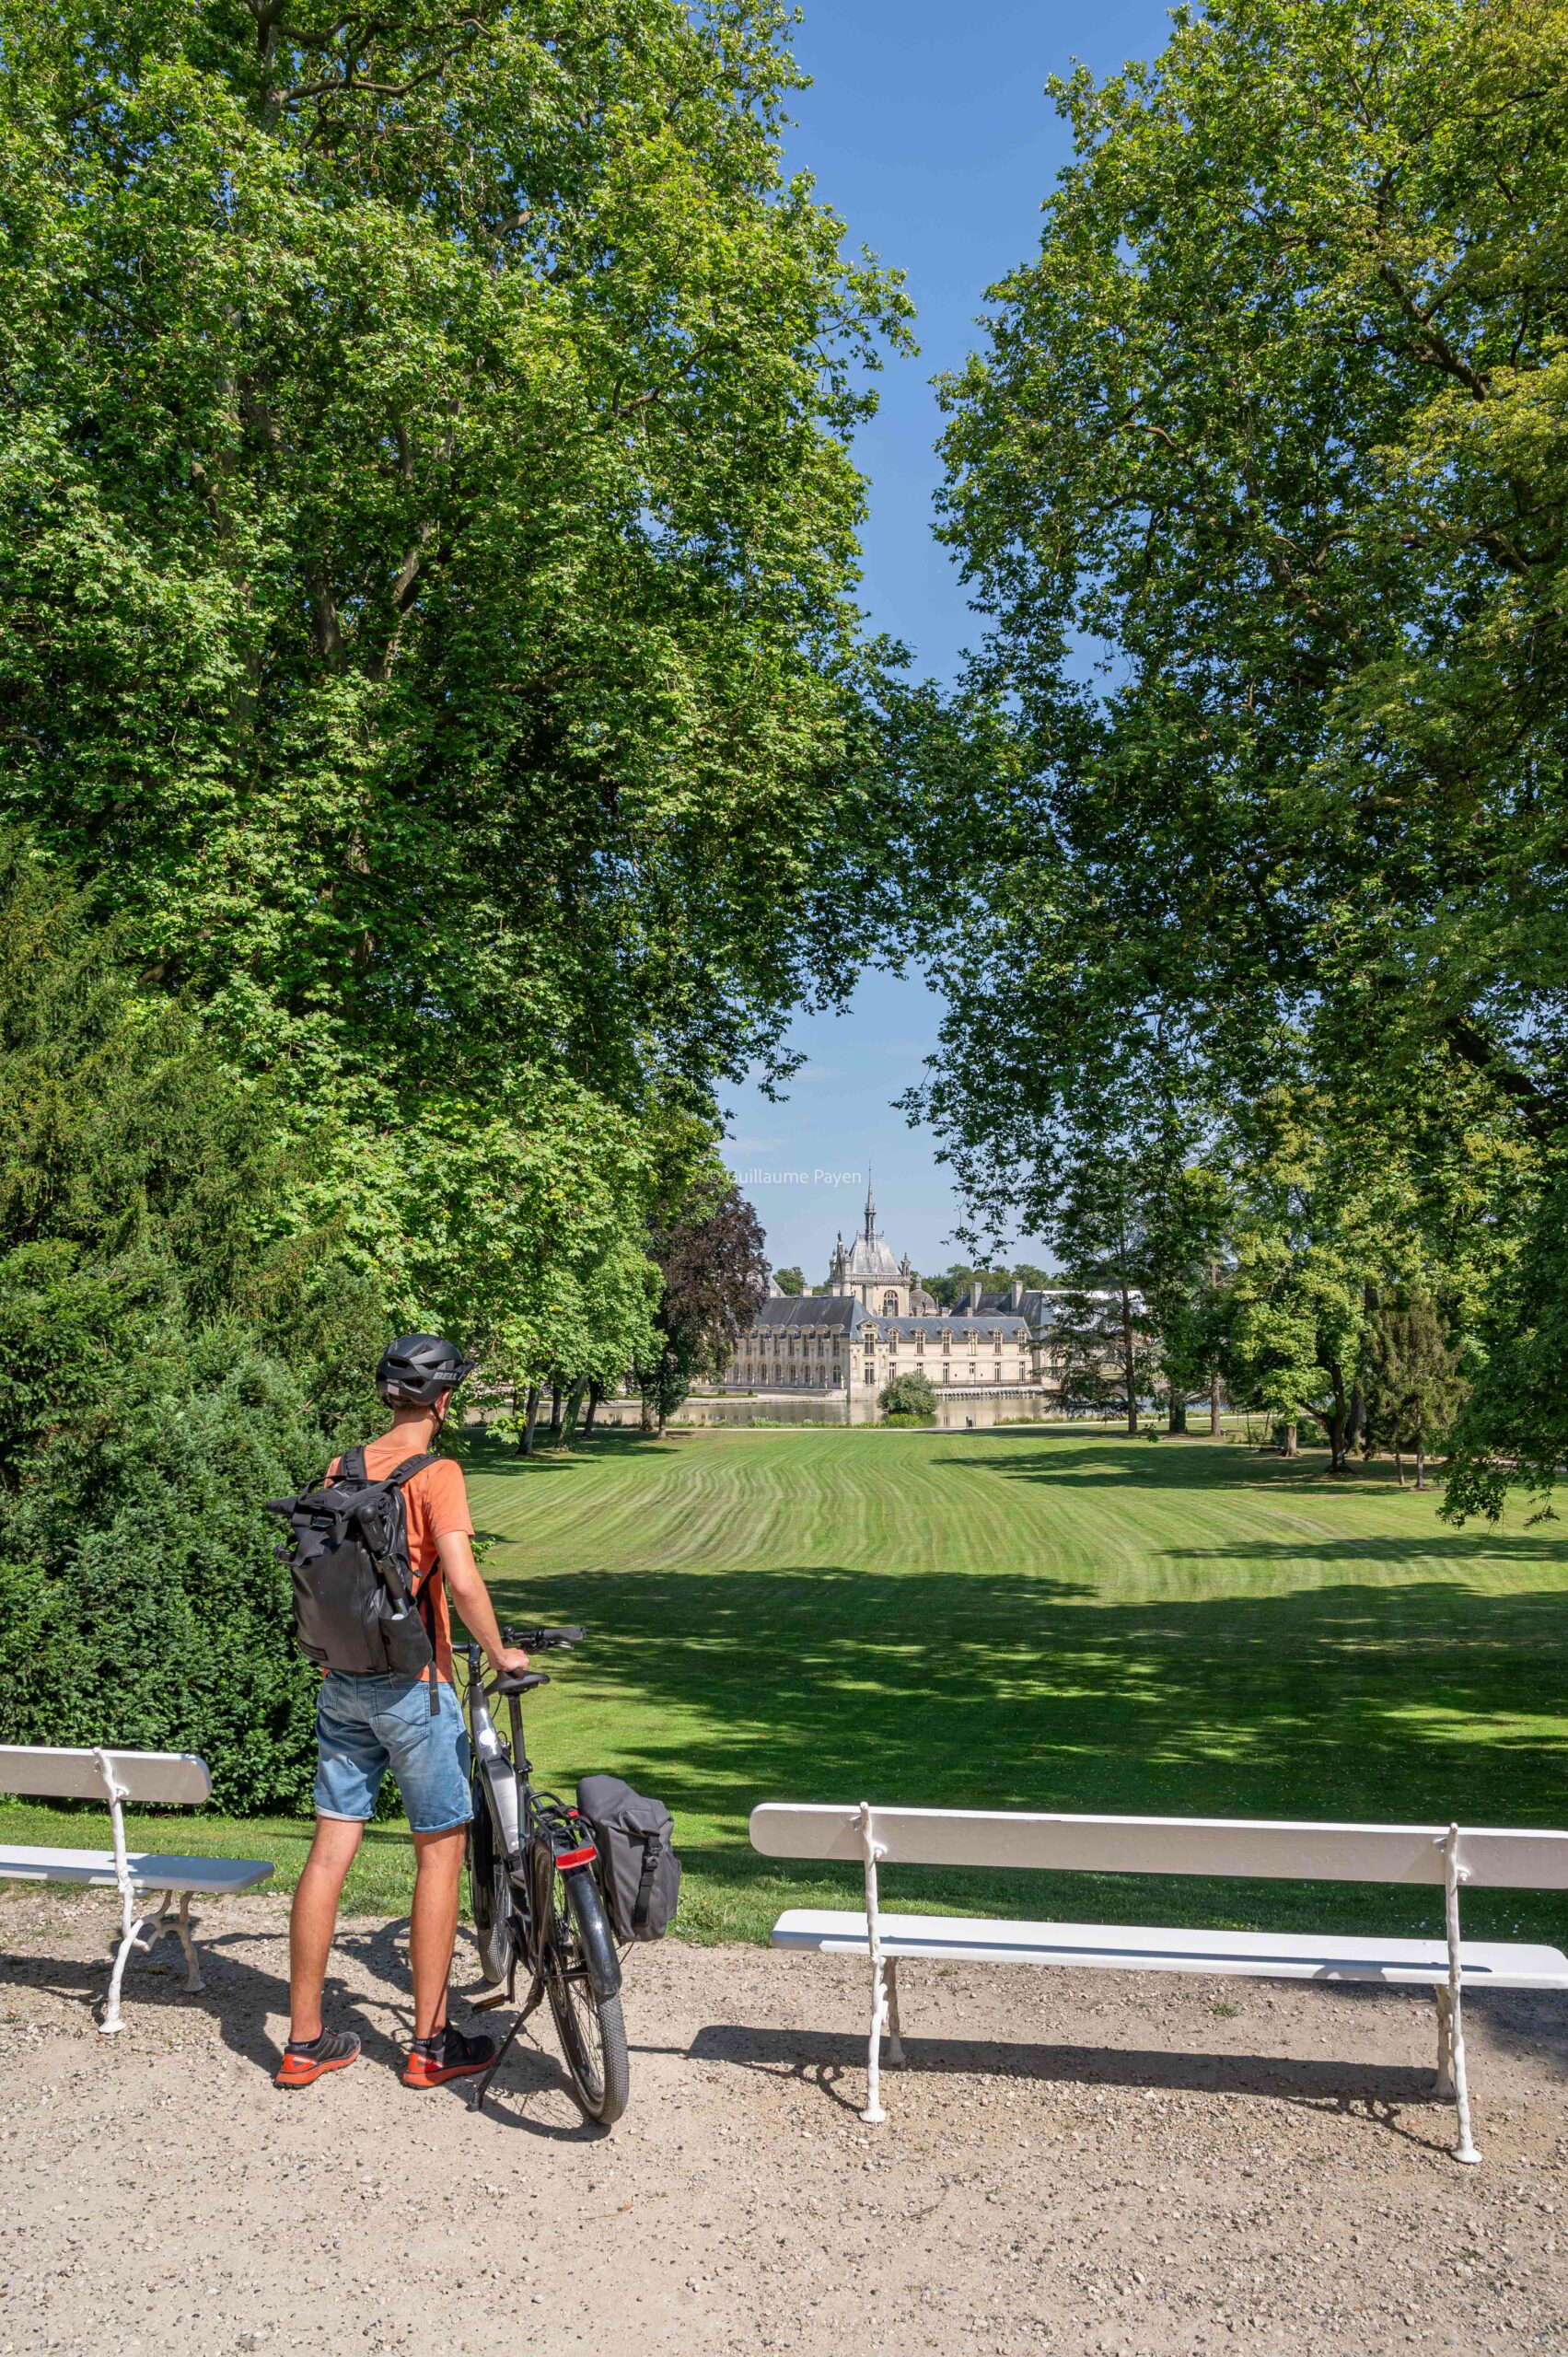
x: 313, y: 1918
x: 432, y: 1925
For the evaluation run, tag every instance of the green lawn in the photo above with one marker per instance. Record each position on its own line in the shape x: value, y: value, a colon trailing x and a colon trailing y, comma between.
x: 1015, y: 1619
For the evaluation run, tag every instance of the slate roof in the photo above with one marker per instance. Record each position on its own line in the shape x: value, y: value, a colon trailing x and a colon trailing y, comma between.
x: 870, y: 1258
x: 843, y: 1313
x: 788, y: 1309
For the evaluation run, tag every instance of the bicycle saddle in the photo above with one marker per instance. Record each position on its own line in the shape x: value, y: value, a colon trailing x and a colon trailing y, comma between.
x: 523, y: 1683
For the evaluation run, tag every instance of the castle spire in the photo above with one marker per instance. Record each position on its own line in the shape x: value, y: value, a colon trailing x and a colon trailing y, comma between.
x: 870, y: 1210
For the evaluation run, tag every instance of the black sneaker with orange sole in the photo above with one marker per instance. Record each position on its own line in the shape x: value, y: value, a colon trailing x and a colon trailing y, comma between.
x: 306, y: 2059
x: 450, y: 2054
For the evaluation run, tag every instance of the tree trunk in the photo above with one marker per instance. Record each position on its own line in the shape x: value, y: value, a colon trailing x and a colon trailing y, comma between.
x: 1176, y: 1414
x: 647, y: 1419
x: 1128, y: 1371
x: 555, y: 1413
x: 574, y: 1410
x: 596, y: 1393
x: 1419, y: 1461
x: 1339, y: 1424
x: 1400, y: 1465
x: 1357, y: 1415
x: 1213, y: 1407
x: 661, y: 1422
x: 530, y: 1420
x: 1292, y: 1446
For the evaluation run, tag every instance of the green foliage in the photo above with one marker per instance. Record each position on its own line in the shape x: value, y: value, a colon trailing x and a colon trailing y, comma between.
x: 950, y: 1286
x: 525, y: 1214
x: 1274, y: 418
x: 791, y: 1281
x: 427, y: 548
x: 908, y: 1399
x: 163, y: 1369
x: 1416, y: 1389
x: 1514, y: 1428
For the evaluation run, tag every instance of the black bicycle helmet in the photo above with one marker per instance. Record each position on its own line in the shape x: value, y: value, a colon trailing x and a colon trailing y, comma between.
x: 420, y: 1367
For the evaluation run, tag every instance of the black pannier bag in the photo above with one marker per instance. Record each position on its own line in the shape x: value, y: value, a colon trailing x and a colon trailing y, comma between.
x: 354, y: 1605
x: 638, y: 1869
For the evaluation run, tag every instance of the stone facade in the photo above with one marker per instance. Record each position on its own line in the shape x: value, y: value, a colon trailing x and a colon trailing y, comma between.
x: 874, y: 1321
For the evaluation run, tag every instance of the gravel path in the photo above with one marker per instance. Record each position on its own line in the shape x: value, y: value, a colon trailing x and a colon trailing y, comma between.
x: 1176, y: 2166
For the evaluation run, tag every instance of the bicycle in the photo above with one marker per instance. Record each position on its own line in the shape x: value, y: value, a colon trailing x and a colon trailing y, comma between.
x: 536, y: 1899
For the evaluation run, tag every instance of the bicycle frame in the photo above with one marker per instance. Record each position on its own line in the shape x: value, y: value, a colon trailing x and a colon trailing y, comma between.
x: 528, y: 1825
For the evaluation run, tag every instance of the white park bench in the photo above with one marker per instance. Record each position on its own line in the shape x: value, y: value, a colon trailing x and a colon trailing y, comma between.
x: 155, y: 1780
x: 1446, y: 1856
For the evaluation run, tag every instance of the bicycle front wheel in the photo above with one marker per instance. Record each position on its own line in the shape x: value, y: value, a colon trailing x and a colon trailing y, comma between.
x: 591, y: 2027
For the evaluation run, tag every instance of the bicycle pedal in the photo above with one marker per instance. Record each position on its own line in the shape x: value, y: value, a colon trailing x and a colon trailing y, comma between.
x: 483, y: 2004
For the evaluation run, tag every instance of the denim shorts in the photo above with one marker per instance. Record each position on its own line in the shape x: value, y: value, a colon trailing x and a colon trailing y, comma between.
x: 365, y: 1725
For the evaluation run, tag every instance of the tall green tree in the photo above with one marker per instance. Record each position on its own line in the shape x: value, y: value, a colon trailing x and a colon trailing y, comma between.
x: 427, y: 531
x: 1417, y: 1386
x: 165, y: 1367
x: 1274, y: 419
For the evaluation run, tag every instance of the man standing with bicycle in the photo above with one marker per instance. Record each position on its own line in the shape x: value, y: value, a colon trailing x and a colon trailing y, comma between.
x: 369, y: 1724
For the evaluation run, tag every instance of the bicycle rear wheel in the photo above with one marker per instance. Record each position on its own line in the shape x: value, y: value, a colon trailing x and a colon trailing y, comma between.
x: 591, y: 2027
x: 489, y: 1894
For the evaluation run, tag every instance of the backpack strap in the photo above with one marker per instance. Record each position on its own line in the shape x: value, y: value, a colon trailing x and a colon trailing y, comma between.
x: 351, y: 1467
x: 395, y: 1481
x: 403, y: 1472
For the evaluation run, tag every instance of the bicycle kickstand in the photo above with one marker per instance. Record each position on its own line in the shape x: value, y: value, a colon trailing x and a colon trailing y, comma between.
x: 535, y: 1997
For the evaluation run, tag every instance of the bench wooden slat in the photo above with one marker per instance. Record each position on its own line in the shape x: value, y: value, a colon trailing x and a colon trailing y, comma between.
x: 1134, y: 1947
x: 1266, y: 1848
x: 149, y: 1870
x: 152, y: 1779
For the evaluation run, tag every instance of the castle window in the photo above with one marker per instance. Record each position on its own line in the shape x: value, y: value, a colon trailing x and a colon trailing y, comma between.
x: 889, y: 1305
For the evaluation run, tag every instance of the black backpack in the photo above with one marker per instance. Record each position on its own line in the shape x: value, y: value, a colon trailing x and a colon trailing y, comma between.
x: 638, y: 1869
x: 355, y: 1603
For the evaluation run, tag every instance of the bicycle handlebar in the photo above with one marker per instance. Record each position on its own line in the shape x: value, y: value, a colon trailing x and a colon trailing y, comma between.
x: 541, y: 1641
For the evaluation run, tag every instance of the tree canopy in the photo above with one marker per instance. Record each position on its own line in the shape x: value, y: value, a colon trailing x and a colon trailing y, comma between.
x: 427, y: 539
x: 1254, y: 791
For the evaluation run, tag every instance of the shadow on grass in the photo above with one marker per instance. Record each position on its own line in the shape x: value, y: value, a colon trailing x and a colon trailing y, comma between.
x: 1420, y: 1699
x: 1077, y: 1462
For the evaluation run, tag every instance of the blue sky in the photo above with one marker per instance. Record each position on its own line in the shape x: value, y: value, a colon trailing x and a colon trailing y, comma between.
x: 928, y: 130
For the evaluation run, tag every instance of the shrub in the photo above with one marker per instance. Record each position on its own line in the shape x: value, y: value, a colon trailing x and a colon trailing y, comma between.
x: 908, y: 1399
x: 162, y: 1371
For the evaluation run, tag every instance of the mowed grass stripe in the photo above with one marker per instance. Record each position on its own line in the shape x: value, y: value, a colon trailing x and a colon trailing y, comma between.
x: 1049, y: 1619
x: 1056, y: 1620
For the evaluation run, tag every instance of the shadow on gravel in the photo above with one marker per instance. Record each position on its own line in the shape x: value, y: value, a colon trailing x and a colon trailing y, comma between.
x: 834, y: 2062
x: 247, y: 2001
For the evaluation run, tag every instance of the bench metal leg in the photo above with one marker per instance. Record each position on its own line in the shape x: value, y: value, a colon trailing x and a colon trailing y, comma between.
x: 139, y: 1934
x: 130, y: 1942
x: 194, y: 1984
x: 1464, y: 2150
x: 872, y: 1850
x: 895, y: 2042
x: 874, y: 2112
x: 1443, y: 2090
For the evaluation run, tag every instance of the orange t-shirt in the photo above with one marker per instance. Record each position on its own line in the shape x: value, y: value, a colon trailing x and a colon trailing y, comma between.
x: 435, y: 1503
